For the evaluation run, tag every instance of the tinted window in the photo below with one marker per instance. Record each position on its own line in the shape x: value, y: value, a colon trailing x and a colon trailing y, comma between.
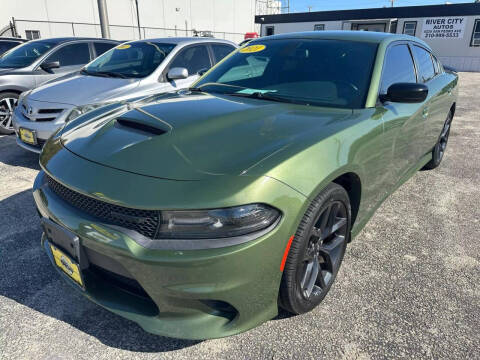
x: 424, y: 63
x: 7, y: 45
x: 73, y: 54
x: 26, y: 54
x: 101, y: 47
x: 398, y: 67
x: 317, y: 72
x: 220, y: 51
x: 135, y: 59
x: 193, y: 58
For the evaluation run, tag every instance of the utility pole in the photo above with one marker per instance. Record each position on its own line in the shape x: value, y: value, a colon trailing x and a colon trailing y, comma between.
x: 309, y: 8
x: 138, y: 21
x: 392, y: 2
x: 103, y: 15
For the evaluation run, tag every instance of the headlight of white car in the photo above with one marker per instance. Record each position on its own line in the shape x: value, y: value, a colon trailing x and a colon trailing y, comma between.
x: 81, y: 110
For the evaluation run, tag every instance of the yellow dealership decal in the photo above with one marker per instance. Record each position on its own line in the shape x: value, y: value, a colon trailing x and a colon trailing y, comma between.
x: 252, y: 49
x: 122, y: 47
x: 66, y: 264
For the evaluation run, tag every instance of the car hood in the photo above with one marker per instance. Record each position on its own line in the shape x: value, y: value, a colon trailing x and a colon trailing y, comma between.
x: 194, y: 136
x: 79, y: 89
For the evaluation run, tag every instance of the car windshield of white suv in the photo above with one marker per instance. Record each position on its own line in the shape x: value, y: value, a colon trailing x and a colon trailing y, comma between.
x: 26, y: 54
x: 329, y: 73
x: 131, y: 60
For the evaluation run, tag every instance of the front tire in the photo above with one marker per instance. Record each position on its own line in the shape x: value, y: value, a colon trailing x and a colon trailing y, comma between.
x: 441, y: 145
x: 317, y: 251
x: 8, y: 101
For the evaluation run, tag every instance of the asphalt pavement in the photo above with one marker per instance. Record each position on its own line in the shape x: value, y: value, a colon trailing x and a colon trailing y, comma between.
x: 409, y: 286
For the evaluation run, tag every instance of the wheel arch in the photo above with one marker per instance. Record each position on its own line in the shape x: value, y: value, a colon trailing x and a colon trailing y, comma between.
x: 351, y: 182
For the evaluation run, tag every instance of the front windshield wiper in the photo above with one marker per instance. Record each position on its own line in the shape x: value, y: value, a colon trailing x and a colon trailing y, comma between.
x: 200, y: 87
x: 265, y: 96
x: 103, y: 73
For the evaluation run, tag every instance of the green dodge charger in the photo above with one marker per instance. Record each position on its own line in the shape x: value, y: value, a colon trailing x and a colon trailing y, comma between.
x: 197, y: 214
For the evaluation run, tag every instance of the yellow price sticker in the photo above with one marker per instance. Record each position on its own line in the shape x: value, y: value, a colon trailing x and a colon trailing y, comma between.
x: 123, y: 46
x: 252, y: 49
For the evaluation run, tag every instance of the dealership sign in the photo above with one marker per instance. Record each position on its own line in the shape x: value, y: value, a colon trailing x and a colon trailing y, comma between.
x: 443, y: 28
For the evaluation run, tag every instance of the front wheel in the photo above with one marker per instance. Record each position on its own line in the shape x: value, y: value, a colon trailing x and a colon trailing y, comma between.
x: 316, y: 251
x: 441, y: 145
x: 8, y: 101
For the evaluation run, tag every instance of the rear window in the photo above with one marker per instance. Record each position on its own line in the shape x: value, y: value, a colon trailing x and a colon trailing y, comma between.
x: 135, y: 60
x: 309, y: 71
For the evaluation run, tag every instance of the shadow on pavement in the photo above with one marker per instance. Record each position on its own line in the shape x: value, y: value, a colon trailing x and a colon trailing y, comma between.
x: 28, y: 278
x: 16, y: 156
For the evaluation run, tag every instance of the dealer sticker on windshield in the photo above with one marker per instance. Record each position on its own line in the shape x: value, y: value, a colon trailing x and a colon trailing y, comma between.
x: 252, y: 49
x: 123, y: 46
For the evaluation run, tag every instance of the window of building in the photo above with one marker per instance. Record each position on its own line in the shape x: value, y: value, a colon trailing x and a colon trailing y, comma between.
x: 398, y: 67
x: 410, y: 28
x: 476, y: 34
x: 32, y: 34
x: 73, y: 54
x: 319, y: 27
x: 393, y: 27
x: 270, y: 30
x: 426, y: 70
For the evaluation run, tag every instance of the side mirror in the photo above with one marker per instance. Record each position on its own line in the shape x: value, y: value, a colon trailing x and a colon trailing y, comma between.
x: 406, y: 93
x: 50, y: 65
x: 177, y: 73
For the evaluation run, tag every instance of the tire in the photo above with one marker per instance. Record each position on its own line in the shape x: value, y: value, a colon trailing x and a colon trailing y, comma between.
x: 8, y: 101
x: 441, y: 145
x: 321, y: 237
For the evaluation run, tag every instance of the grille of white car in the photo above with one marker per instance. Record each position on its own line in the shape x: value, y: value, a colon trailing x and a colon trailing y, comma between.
x: 44, y: 114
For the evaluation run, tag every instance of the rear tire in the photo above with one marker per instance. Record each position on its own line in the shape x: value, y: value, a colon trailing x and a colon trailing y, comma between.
x: 317, y: 251
x: 441, y: 145
x: 8, y: 101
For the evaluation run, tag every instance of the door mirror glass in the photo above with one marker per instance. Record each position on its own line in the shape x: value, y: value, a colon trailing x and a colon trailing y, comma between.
x: 177, y: 73
x: 406, y: 93
x: 50, y: 65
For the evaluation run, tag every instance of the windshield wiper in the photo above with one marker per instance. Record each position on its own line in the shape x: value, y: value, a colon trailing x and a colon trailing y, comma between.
x: 103, y: 73
x: 199, y: 88
x: 265, y: 96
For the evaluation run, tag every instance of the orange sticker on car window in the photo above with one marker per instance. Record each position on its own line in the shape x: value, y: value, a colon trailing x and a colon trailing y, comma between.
x: 252, y: 49
x: 123, y: 46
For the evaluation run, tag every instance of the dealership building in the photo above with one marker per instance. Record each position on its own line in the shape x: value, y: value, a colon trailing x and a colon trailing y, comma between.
x: 453, y: 31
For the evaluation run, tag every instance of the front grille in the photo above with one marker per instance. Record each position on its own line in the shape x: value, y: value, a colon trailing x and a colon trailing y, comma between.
x: 146, y: 222
x: 40, y: 114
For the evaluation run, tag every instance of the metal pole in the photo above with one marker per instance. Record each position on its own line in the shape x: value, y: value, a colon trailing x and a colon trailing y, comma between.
x: 73, y: 29
x: 14, y: 28
x: 138, y: 20
x: 103, y: 15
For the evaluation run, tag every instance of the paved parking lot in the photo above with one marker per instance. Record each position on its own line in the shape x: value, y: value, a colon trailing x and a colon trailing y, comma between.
x: 409, y: 286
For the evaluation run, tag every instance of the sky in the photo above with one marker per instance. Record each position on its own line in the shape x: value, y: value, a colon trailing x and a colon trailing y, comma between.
x: 322, y: 5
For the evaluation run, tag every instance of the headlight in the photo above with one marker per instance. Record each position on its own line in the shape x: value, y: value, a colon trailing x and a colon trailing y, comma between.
x: 80, y: 110
x: 217, y: 223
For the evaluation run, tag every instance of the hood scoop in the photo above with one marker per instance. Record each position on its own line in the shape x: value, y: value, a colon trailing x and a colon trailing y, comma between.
x: 144, y: 127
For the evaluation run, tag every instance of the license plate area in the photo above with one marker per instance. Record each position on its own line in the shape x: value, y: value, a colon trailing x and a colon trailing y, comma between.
x: 66, y: 250
x: 28, y: 136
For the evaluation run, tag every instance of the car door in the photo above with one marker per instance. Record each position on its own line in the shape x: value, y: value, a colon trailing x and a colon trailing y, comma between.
x: 71, y: 57
x: 194, y: 58
x: 403, y: 123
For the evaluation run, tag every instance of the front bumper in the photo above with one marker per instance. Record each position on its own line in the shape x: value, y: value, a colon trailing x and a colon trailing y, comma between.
x: 193, y: 294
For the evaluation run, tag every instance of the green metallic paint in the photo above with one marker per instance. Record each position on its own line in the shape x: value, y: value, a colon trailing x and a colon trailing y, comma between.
x: 220, y: 151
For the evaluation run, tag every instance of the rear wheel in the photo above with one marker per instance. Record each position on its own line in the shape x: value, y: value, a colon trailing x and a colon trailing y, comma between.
x: 441, y: 145
x: 317, y: 251
x: 8, y: 101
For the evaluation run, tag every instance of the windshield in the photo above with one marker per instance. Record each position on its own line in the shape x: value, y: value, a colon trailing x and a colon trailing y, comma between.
x: 26, y: 54
x: 329, y: 73
x: 133, y: 60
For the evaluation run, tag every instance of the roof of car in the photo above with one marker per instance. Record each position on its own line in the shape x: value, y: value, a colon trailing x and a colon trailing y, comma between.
x: 364, y: 36
x: 60, y: 40
x: 12, y: 39
x: 183, y: 40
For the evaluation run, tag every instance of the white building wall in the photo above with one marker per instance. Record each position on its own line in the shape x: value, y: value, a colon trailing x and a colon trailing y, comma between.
x: 229, y: 19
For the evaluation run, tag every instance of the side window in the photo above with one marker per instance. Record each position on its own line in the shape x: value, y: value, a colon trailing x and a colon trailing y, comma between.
x: 437, y: 65
x: 426, y: 70
x: 398, y: 67
x: 101, y: 47
x: 73, y: 54
x: 193, y: 58
x: 270, y: 30
x: 220, y: 51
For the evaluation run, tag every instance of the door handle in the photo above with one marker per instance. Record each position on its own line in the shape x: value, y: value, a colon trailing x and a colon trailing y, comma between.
x: 425, y: 112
